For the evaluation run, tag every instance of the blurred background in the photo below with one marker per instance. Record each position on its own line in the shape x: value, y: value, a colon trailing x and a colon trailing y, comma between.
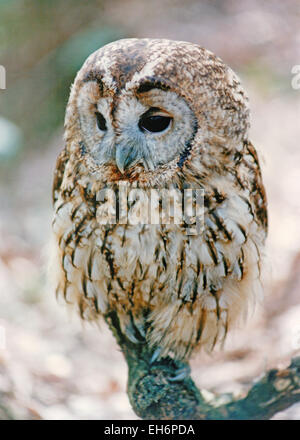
x: 52, y: 366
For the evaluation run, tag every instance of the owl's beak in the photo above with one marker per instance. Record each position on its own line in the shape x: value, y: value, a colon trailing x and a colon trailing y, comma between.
x: 126, y: 156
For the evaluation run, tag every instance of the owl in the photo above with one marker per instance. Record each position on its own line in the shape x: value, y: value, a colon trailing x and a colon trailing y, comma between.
x: 155, y: 114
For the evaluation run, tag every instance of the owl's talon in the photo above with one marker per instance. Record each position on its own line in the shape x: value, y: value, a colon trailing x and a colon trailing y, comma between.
x: 155, y: 355
x: 181, y: 374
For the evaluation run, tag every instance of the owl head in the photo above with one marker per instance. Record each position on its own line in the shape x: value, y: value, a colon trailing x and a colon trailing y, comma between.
x: 144, y: 109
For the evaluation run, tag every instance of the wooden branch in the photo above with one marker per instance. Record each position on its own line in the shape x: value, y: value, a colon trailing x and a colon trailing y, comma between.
x: 154, y: 395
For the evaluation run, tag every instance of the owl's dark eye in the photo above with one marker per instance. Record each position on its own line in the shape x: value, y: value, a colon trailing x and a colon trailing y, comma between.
x: 155, y: 123
x: 101, y: 123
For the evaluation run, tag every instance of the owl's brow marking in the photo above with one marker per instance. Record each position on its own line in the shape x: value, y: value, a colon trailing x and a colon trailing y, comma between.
x: 152, y: 83
x: 94, y: 76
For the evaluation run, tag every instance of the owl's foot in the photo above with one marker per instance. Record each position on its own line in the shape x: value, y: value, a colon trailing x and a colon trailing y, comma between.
x: 181, y: 373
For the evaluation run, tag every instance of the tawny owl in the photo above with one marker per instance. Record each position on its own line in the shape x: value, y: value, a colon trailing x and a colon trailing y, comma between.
x: 159, y: 114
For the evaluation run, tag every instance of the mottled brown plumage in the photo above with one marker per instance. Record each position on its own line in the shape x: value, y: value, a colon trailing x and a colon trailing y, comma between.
x: 172, y: 290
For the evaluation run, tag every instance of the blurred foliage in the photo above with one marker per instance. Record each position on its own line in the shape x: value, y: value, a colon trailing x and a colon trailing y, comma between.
x: 268, y: 81
x: 42, y: 45
x: 10, y: 140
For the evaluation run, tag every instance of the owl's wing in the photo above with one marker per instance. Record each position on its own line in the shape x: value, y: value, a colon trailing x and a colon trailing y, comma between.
x: 59, y: 173
x: 258, y: 189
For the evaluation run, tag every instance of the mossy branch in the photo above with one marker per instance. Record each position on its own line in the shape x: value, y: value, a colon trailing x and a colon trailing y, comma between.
x: 154, y: 396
